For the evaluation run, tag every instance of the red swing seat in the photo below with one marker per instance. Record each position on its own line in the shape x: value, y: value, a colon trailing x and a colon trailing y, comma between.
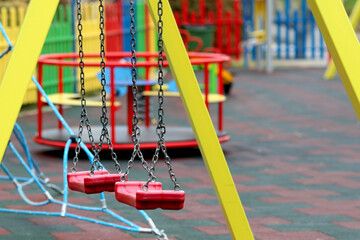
x: 101, y: 181
x: 131, y: 193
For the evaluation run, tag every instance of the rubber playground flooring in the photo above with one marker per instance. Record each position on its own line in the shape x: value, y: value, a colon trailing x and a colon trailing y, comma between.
x: 294, y: 156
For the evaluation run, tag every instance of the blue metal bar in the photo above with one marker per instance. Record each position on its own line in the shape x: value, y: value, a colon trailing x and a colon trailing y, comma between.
x: 297, y: 49
x: 252, y: 27
x: 287, y: 25
x: 278, y: 22
x: 304, y: 28
x: 322, y: 47
x: 245, y: 32
x: 312, y: 21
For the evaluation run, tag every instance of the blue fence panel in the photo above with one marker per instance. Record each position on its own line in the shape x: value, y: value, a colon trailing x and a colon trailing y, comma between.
x: 278, y: 38
x: 304, y: 29
x: 300, y: 37
x: 287, y: 28
x: 296, y: 30
x: 126, y: 25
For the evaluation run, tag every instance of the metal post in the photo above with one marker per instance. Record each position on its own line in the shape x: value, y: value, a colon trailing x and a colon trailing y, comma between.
x: 269, y: 35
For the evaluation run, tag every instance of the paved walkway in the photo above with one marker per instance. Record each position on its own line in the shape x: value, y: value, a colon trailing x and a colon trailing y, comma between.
x: 294, y: 155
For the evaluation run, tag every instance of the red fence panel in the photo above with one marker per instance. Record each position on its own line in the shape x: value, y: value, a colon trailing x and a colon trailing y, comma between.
x: 228, y: 24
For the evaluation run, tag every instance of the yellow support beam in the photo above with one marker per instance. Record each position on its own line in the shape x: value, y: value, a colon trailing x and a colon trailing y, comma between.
x: 342, y: 43
x: 201, y: 124
x: 354, y: 19
x: 22, y: 63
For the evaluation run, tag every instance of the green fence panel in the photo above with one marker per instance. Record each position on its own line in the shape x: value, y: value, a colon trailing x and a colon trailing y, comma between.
x: 59, y: 40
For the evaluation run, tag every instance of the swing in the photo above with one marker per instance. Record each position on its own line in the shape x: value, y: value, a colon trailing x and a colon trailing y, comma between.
x: 96, y: 180
x: 144, y: 195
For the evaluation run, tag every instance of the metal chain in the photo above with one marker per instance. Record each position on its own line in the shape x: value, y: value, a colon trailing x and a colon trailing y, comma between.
x: 135, y: 133
x: 161, y: 129
x: 104, y: 119
x: 83, y: 115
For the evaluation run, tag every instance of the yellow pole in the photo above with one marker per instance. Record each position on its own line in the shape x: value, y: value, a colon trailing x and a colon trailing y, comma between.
x: 342, y: 43
x: 22, y: 64
x: 354, y: 18
x: 201, y: 124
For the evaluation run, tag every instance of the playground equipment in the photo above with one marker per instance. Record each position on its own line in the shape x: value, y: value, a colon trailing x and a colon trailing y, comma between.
x: 257, y: 34
x: 330, y: 72
x: 120, y: 135
x: 141, y: 195
x: 30, y: 41
x: 37, y: 177
x: 96, y: 180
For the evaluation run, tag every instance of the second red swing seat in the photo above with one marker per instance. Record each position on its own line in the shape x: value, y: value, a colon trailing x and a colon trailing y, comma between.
x: 101, y: 181
x: 131, y: 193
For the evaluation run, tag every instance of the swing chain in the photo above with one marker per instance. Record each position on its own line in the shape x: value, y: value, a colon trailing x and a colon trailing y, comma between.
x: 161, y: 129
x: 84, y: 119
x: 135, y: 134
x: 104, y: 119
x: 83, y: 115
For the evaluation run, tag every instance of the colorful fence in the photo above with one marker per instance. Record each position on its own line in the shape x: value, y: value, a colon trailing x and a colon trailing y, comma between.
x: 224, y: 26
x: 297, y: 33
x: 61, y: 39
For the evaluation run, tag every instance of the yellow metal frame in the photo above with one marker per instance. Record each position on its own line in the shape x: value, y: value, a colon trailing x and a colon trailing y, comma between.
x: 201, y: 124
x: 354, y: 19
x: 27, y: 50
x: 342, y: 43
x: 22, y: 64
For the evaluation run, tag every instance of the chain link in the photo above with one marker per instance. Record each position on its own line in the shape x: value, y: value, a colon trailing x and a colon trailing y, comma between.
x: 104, y: 119
x: 135, y: 132
x: 84, y: 116
x: 161, y: 129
